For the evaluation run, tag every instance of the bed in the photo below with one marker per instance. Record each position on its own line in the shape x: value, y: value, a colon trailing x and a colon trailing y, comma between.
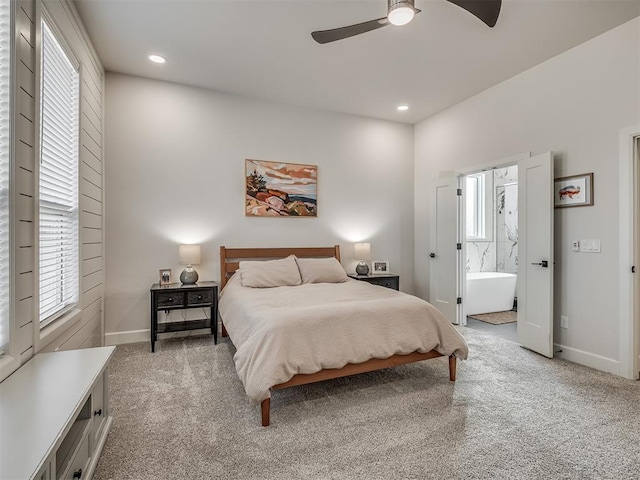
x: 311, y: 331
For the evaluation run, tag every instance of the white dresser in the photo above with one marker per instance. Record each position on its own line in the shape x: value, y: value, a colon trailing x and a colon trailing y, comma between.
x: 54, y: 416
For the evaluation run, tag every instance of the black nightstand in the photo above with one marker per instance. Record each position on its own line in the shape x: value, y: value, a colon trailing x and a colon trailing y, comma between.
x: 177, y: 296
x: 384, y: 280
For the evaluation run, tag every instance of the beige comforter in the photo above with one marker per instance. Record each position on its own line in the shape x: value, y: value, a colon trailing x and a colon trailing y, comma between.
x: 282, y: 331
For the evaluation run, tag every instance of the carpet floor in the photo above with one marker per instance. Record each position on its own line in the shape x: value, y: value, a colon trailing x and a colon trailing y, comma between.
x: 182, y: 413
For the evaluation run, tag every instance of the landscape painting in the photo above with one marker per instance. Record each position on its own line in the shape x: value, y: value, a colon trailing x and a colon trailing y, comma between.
x: 276, y: 189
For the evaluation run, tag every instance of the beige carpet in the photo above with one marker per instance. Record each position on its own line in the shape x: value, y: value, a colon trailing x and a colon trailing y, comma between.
x: 497, y: 318
x: 181, y: 413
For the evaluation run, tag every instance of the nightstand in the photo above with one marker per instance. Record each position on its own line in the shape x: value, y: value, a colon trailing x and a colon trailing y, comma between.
x: 177, y: 297
x: 384, y: 280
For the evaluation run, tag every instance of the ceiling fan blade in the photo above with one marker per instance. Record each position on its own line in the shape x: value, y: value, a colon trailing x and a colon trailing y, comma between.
x: 326, y: 36
x: 486, y: 10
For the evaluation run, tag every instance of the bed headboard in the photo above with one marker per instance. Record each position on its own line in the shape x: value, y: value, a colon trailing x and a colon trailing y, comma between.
x: 230, y: 257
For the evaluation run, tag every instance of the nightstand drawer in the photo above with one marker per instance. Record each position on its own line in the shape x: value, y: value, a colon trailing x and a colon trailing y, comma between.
x: 387, y: 282
x: 200, y: 297
x: 168, y: 299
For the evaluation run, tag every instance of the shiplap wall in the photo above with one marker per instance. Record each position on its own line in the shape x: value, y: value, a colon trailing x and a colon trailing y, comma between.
x: 88, y: 330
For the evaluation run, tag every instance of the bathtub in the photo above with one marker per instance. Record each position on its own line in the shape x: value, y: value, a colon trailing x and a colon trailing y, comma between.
x: 489, y: 292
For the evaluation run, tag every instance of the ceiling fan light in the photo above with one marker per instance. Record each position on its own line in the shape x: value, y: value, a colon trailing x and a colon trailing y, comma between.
x: 400, y: 12
x: 157, y: 59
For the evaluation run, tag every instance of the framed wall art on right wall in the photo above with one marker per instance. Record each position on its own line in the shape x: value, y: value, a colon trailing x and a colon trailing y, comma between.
x: 573, y: 191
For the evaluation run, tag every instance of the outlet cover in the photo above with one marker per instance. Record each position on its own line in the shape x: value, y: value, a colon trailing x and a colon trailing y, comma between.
x: 564, y: 321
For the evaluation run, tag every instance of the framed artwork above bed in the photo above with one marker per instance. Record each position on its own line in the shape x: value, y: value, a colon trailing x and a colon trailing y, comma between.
x: 278, y: 189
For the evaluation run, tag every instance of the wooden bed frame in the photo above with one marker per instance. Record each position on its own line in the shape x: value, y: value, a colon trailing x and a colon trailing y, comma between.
x: 229, y: 262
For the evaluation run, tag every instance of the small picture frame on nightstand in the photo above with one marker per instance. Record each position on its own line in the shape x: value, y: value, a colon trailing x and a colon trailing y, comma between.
x: 165, y: 276
x: 380, y: 267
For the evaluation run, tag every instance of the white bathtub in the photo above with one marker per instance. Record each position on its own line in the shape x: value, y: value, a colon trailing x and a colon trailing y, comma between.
x: 490, y: 292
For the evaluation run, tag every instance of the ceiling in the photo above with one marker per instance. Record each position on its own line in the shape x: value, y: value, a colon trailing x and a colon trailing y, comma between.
x: 263, y: 48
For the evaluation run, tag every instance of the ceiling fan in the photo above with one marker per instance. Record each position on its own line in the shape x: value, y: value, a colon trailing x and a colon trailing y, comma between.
x: 401, y: 12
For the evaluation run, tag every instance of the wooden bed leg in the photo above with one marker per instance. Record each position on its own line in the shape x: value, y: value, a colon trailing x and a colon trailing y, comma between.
x: 452, y: 368
x: 265, y: 406
x: 223, y: 331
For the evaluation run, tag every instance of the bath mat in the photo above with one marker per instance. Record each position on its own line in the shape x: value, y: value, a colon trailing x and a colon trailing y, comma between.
x: 497, y: 318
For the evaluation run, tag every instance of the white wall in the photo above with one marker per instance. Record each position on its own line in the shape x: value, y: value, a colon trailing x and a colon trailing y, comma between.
x: 175, y: 174
x: 575, y: 105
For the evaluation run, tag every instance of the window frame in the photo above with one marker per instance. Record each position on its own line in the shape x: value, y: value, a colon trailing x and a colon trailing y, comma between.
x: 10, y: 360
x: 53, y: 326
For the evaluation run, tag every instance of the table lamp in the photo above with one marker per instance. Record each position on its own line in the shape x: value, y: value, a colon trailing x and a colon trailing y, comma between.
x: 362, y: 252
x: 189, y: 255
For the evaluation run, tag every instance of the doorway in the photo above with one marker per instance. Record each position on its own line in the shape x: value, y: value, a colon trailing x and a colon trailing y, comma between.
x: 491, y: 250
x: 630, y: 252
x: 447, y: 271
x: 635, y: 321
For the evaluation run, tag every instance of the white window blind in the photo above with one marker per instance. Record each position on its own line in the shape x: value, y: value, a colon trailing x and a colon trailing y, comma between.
x: 5, y: 123
x: 59, y: 242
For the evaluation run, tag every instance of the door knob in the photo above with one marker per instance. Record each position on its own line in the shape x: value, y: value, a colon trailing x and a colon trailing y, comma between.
x: 543, y: 264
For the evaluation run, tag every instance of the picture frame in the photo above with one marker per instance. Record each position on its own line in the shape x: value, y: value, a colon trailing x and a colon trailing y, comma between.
x: 380, y: 267
x: 573, y: 191
x: 279, y: 189
x: 165, y: 276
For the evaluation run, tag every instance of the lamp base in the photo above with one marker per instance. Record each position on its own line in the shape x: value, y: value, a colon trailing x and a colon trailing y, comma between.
x: 189, y: 276
x: 362, y: 269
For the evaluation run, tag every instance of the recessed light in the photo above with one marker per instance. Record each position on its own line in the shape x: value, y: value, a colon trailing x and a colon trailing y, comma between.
x: 157, y: 59
x: 403, y: 108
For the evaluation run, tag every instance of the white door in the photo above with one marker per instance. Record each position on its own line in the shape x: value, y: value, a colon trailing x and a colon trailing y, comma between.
x: 535, y: 253
x: 443, y: 261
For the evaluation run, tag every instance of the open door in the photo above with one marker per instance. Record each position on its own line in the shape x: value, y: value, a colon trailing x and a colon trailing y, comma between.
x: 443, y: 262
x: 535, y: 253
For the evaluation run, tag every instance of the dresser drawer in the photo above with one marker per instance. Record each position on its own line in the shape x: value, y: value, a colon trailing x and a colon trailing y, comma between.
x: 168, y: 299
x: 98, y: 407
x: 200, y: 297
x: 78, y: 466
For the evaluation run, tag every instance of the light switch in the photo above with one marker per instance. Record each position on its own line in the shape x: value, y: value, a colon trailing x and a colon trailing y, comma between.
x: 589, y: 246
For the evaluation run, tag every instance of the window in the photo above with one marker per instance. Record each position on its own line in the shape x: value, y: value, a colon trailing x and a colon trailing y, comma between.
x: 479, y: 216
x: 475, y: 189
x: 5, y: 124
x: 58, y: 180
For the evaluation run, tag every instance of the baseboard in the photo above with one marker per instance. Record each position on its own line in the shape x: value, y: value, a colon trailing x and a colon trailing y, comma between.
x: 132, y: 336
x: 136, y: 336
x: 587, y: 359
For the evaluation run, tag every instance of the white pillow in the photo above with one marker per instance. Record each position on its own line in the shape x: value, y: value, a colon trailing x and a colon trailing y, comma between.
x: 270, y: 273
x: 321, y: 270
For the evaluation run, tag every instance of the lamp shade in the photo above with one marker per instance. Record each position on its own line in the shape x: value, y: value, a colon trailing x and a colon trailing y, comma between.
x: 190, y: 254
x: 362, y: 251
